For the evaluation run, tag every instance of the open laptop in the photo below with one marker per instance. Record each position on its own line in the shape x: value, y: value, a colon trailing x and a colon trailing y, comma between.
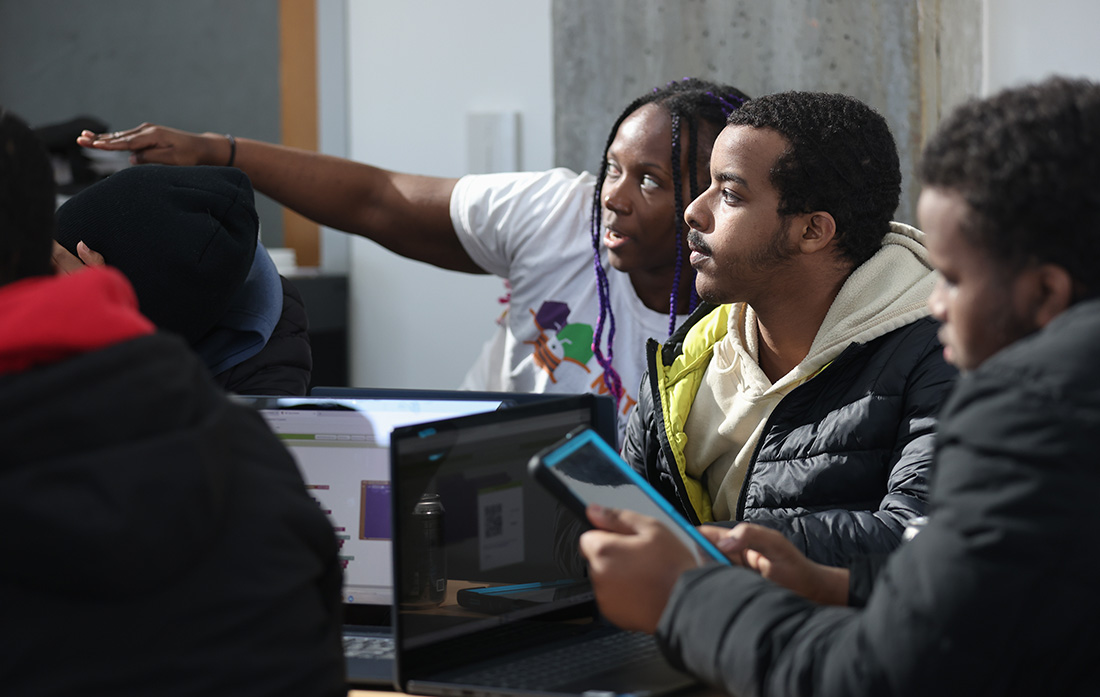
x: 490, y: 590
x: 341, y: 447
x: 606, y: 420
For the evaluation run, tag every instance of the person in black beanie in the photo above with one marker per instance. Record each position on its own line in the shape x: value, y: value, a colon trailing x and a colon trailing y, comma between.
x: 186, y: 238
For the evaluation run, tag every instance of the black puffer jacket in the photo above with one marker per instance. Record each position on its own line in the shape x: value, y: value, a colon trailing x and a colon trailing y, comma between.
x: 285, y: 364
x: 158, y: 539
x: 845, y: 459
x: 995, y: 596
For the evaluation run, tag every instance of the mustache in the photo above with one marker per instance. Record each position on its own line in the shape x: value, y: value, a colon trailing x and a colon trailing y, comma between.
x: 696, y: 241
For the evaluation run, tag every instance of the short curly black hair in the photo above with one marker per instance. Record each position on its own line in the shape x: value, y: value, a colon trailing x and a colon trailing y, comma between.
x: 1027, y: 162
x: 27, y: 202
x: 841, y: 159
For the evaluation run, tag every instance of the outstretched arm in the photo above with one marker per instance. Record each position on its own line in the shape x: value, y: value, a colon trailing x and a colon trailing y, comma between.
x: 408, y: 214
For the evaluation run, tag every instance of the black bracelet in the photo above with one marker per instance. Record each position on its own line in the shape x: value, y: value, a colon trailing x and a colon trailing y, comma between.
x: 232, y: 150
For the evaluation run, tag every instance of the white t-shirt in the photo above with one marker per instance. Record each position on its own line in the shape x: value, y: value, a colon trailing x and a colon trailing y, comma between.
x: 533, y: 229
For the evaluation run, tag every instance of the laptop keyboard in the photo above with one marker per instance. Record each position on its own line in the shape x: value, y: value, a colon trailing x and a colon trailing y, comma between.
x: 369, y: 647
x: 571, y: 662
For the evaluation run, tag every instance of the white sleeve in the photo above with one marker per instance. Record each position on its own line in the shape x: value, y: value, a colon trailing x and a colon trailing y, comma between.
x: 497, y: 216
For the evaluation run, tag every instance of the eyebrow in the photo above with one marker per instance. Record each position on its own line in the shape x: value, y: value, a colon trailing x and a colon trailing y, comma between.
x: 731, y: 177
x: 661, y: 168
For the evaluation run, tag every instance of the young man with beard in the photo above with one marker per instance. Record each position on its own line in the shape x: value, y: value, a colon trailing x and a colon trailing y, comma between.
x: 996, y: 593
x: 802, y: 395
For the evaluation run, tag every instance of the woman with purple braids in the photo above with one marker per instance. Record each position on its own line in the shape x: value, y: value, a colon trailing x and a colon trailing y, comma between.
x: 596, y: 264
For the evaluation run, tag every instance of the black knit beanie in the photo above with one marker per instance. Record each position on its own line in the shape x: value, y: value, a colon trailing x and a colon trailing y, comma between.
x: 184, y: 236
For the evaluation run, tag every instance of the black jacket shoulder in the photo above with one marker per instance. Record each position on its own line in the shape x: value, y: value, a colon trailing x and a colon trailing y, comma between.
x: 285, y: 364
x: 160, y: 525
x: 983, y: 600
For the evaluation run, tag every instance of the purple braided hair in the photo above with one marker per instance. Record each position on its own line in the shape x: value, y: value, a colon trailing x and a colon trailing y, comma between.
x: 682, y: 98
x: 611, y: 377
x: 726, y: 105
x: 679, y: 197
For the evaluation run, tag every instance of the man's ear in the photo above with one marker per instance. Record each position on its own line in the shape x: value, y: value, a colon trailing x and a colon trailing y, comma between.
x: 817, y: 230
x: 1053, y: 292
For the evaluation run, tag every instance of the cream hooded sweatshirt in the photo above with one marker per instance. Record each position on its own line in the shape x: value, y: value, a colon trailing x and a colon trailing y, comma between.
x: 735, y: 398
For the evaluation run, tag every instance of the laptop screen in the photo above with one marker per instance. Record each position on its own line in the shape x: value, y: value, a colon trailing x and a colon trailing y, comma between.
x: 342, y: 447
x: 480, y: 544
x: 606, y: 419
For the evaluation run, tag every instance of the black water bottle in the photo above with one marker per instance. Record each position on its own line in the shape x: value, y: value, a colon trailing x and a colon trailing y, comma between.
x: 428, y: 582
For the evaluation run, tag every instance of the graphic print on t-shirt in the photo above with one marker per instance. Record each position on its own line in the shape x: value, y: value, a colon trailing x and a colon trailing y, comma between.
x: 564, y: 342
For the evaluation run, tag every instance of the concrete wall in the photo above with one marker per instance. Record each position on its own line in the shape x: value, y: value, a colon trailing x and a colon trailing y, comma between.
x: 890, y: 53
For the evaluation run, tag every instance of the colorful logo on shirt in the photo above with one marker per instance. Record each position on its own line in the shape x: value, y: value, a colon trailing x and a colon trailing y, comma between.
x: 559, y: 340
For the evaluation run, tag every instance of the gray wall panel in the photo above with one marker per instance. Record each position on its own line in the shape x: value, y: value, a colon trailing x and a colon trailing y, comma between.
x: 204, y: 65
x: 888, y: 53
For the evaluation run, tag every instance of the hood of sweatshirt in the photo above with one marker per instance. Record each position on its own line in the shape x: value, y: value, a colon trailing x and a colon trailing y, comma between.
x: 105, y: 428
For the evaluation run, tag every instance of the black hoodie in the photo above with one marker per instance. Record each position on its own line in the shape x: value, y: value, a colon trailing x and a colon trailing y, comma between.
x: 157, y: 538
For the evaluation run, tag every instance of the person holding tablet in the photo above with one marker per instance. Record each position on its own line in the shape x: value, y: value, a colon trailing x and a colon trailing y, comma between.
x: 995, y: 594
